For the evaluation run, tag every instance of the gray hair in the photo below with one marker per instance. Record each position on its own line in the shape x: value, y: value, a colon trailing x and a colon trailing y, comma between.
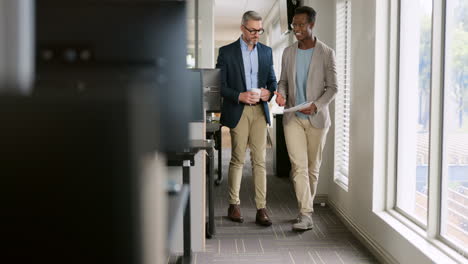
x: 250, y: 15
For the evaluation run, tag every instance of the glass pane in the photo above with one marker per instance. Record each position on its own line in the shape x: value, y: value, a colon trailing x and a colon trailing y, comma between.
x: 455, y: 149
x: 413, y: 108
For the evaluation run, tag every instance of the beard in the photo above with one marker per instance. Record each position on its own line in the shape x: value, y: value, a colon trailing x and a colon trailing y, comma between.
x: 253, y: 41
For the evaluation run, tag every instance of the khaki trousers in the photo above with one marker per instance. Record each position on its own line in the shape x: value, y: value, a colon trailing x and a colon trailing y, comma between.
x: 305, y: 145
x: 250, y: 131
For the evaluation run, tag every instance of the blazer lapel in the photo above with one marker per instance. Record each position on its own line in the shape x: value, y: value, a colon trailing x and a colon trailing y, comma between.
x: 314, y: 66
x: 316, y: 58
x: 293, y: 70
x: 240, y: 61
x: 261, y: 64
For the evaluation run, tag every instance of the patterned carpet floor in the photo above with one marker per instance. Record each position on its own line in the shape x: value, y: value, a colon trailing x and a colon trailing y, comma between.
x: 329, y: 242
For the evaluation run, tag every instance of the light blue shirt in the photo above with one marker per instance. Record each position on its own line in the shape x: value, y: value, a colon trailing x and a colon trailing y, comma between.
x: 303, y: 61
x: 250, y: 59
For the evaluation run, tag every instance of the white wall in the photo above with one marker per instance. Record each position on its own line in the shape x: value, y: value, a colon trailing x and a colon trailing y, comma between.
x: 325, y: 21
x: 154, y: 202
x: 206, y: 34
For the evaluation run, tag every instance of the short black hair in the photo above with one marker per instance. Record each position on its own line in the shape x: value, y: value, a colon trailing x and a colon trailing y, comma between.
x: 309, y: 11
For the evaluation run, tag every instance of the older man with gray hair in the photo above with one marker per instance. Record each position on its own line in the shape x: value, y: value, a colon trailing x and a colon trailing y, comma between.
x: 247, y: 84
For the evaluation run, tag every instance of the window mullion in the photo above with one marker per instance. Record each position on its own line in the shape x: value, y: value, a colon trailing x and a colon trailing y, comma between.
x: 436, y: 114
x: 393, y: 105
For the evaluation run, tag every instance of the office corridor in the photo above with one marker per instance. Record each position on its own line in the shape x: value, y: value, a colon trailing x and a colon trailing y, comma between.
x: 329, y: 242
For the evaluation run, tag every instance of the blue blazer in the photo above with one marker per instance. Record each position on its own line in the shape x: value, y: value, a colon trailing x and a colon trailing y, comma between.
x: 233, y: 80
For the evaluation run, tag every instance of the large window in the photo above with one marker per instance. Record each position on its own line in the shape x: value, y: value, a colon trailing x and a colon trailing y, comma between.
x: 413, y: 108
x: 432, y: 119
x: 342, y: 102
x: 454, y: 226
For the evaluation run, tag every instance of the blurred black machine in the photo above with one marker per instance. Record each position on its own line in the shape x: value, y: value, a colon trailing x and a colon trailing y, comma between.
x: 211, y: 103
x: 111, y: 88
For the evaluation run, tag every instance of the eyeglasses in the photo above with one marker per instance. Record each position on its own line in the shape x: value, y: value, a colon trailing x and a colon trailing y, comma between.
x: 298, y: 25
x: 254, y: 31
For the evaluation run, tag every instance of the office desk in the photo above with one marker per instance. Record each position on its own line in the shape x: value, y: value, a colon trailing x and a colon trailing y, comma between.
x: 186, y: 159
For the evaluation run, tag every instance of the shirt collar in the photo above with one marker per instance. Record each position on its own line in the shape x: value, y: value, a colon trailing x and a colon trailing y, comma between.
x: 244, y: 45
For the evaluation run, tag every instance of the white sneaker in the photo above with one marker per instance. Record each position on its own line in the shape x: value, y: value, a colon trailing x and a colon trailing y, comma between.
x: 305, y: 223
x: 297, y: 219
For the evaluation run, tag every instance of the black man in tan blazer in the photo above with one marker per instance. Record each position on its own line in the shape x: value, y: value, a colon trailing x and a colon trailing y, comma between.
x: 308, y: 75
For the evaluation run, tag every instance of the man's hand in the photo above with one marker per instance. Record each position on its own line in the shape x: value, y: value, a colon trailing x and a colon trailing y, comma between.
x: 280, y: 99
x: 310, y: 110
x: 249, y: 97
x: 265, y: 94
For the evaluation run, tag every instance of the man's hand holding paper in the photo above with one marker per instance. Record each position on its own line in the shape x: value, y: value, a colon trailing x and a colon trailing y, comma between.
x: 305, y: 108
x: 311, y: 110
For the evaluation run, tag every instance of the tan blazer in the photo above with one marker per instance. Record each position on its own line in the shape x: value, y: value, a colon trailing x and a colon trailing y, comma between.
x: 321, y: 82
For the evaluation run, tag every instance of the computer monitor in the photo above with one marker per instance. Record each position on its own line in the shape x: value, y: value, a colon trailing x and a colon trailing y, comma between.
x: 211, y: 87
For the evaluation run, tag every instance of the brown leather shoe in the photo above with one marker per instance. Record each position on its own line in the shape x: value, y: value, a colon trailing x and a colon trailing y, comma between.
x: 262, y: 218
x: 234, y: 213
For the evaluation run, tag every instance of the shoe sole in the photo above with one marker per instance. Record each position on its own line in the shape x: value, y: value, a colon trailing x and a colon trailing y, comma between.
x: 302, y: 229
x: 263, y: 224
x: 241, y: 220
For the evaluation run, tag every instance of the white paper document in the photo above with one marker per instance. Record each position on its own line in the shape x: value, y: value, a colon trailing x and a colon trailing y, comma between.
x: 298, y: 107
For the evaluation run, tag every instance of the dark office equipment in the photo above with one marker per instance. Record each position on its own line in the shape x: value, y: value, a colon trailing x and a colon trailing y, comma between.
x: 211, y: 83
x: 210, y: 230
x: 211, y: 79
x: 292, y: 5
x: 81, y: 36
x: 205, y: 85
x: 71, y: 171
x: 195, y: 80
x: 186, y: 159
x: 287, y: 8
x: 283, y: 164
x: 213, y: 132
x: 111, y: 88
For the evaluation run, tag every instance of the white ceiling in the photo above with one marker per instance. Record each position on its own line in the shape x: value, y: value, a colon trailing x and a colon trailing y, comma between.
x: 228, y: 15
